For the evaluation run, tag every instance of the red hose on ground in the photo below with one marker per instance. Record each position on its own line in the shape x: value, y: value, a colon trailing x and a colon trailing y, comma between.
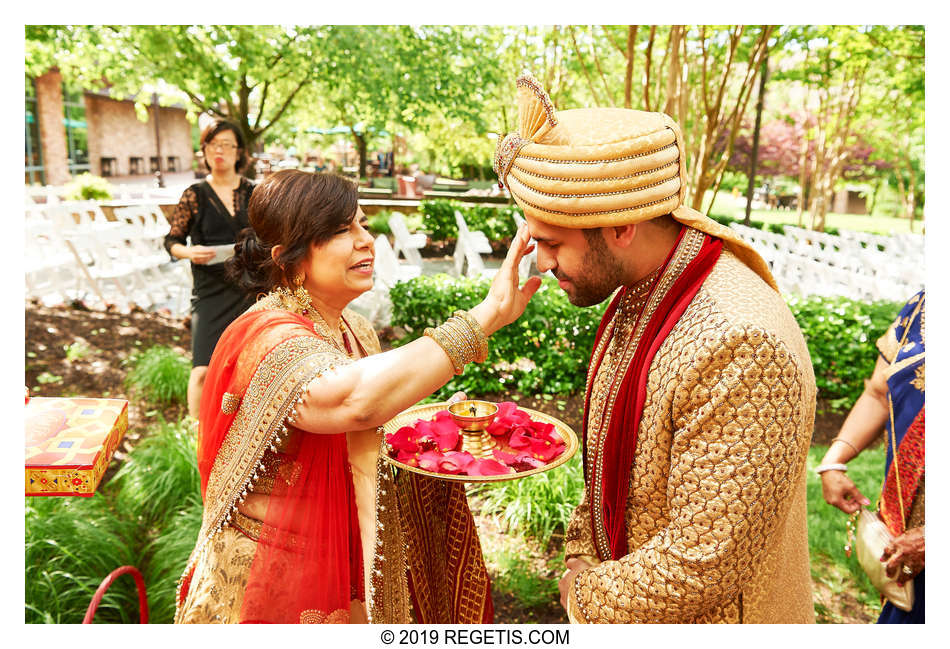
x: 104, y: 586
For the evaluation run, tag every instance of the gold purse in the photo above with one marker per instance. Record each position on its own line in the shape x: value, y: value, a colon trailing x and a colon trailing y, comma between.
x: 872, y: 537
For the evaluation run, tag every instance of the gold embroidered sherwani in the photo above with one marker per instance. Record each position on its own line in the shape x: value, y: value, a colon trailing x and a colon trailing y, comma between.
x: 715, y: 516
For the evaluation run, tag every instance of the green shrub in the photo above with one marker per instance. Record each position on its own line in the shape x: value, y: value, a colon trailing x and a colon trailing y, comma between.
x: 161, y: 374
x: 379, y: 223
x: 545, y: 350
x: 159, y: 476
x: 496, y: 221
x: 538, y: 505
x: 548, y: 348
x: 86, y: 187
x: 840, y: 334
x: 72, y: 544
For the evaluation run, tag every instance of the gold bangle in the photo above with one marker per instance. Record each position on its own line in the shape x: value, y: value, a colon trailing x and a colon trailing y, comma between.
x: 480, y: 337
x: 447, y: 346
x: 844, y: 441
x: 465, y: 338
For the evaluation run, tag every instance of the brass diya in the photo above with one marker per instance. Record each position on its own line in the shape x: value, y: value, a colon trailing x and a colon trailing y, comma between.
x: 473, y: 417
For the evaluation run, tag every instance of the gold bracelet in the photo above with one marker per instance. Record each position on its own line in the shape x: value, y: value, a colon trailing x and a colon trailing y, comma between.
x: 465, y: 338
x: 844, y: 441
x: 480, y: 337
x: 447, y: 346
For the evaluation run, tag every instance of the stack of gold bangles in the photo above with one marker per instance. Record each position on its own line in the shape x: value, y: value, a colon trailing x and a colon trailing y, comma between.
x: 462, y: 339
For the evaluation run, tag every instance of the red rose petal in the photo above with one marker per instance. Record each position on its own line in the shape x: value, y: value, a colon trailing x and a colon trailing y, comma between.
x: 506, y: 458
x: 519, y: 439
x: 403, y: 440
x: 430, y: 460
x: 455, y: 462
x: 484, y: 466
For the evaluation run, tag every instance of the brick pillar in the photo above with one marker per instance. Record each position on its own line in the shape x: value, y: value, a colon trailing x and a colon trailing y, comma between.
x: 49, y: 108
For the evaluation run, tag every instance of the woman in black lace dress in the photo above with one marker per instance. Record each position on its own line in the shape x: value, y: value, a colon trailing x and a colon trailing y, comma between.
x: 211, y: 213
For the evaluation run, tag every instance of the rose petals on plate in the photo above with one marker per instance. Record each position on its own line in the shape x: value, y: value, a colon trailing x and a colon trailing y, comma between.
x: 455, y: 462
x: 433, y: 445
x: 485, y: 466
x: 404, y: 439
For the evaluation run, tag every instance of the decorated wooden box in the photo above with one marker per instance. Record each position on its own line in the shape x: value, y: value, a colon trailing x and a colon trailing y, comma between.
x: 69, y: 443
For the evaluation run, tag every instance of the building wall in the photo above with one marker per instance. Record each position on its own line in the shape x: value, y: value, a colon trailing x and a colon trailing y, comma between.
x: 49, y: 108
x: 849, y: 202
x: 116, y: 132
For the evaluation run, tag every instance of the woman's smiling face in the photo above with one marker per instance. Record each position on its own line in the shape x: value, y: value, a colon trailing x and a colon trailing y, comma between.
x: 341, y: 268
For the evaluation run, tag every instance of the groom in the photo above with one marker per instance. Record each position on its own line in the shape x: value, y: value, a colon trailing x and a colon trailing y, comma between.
x: 700, y: 393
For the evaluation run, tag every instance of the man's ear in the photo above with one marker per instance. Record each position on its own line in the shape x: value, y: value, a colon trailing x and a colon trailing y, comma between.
x: 621, y: 236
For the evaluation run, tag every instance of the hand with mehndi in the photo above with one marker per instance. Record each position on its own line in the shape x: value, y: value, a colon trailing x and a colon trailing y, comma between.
x: 905, y: 555
x: 506, y: 300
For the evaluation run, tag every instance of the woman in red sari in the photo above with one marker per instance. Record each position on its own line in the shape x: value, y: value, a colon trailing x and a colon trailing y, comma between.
x: 303, y: 521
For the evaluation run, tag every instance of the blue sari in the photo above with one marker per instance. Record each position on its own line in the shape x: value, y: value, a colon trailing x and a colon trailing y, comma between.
x: 902, y: 346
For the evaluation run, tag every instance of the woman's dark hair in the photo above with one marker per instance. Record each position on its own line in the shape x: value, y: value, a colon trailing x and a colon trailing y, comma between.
x: 294, y: 209
x: 212, y: 130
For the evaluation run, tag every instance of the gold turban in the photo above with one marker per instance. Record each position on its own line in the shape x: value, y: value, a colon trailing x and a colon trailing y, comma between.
x: 600, y: 167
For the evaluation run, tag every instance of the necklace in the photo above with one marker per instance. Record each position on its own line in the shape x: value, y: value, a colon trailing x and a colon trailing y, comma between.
x: 299, y: 301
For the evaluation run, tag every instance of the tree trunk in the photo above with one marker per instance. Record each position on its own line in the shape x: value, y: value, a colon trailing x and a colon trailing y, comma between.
x: 646, y: 69
x: 754, y: 160
x: 360, y: 140
x: 628, y: 75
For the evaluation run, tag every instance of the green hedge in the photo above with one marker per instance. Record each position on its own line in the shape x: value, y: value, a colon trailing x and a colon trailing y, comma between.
x: 777, y: 228
x: 547, y: 350
x: 544, y: 351
x: 496, y: 221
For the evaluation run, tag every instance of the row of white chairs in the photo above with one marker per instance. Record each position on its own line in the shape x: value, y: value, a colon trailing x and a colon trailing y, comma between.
x: 856, y: 265
x: 73, y: 251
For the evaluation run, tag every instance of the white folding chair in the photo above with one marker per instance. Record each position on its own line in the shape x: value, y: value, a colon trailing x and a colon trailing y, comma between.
x: 404, y: 242
x: 468, y: 250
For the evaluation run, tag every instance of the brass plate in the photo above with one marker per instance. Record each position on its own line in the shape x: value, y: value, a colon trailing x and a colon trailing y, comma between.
x: 427, y: 411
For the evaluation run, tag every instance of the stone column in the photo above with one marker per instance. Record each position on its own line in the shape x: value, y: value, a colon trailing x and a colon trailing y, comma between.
x: 49, y: 109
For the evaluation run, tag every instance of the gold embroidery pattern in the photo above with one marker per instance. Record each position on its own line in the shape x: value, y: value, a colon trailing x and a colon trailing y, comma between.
x: 918, y: 381
x: 269, y: 401
x: 313, y: 616
x: 689, y: 247
x: 716, y: 519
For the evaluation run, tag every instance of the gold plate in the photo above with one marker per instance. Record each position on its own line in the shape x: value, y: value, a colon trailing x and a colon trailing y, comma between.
x: 427, y: 410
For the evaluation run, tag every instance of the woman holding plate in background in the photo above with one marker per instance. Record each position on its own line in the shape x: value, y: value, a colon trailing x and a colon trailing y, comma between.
x: 211, y: 213
x: 303, y: 521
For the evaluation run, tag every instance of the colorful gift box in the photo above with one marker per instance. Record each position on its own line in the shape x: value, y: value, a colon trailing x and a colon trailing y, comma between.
x: 69, y: 443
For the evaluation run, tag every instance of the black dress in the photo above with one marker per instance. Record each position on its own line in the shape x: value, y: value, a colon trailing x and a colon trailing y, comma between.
x: 215, y: 302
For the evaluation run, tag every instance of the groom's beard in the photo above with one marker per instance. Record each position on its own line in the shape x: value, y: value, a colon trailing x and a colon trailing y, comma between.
x: 599, y: 278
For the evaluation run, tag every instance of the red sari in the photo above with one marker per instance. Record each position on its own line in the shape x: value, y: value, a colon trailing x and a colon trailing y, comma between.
x: 307, y: 564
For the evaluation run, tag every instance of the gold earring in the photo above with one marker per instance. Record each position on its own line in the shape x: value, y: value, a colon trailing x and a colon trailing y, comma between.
x: 301, y: 295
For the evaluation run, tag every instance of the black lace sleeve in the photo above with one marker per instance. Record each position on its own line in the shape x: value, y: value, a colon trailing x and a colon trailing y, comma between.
x: 181, y: 219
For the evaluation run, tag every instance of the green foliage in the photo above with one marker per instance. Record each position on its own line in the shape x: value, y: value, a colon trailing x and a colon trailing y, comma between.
x: 538, y: 505
x: 161, y: 374
x: 168, y: 554
x: 147, y: 516
x: 517, y: 577
x: 545, y: 350
x: 72, y: 544
x: 76, y: 350
x: 379, y: 222
x: 161, y: 475
x: 827, y: 533
x: 496, y: 221
x: 86, y: 187
x: 840, y: 334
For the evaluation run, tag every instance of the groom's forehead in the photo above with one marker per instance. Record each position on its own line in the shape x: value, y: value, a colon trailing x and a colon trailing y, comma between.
x: 543, y: 232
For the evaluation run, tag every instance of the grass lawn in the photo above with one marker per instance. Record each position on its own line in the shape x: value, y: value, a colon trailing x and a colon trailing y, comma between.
x: 726, y: 205
x: 832, y: 572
